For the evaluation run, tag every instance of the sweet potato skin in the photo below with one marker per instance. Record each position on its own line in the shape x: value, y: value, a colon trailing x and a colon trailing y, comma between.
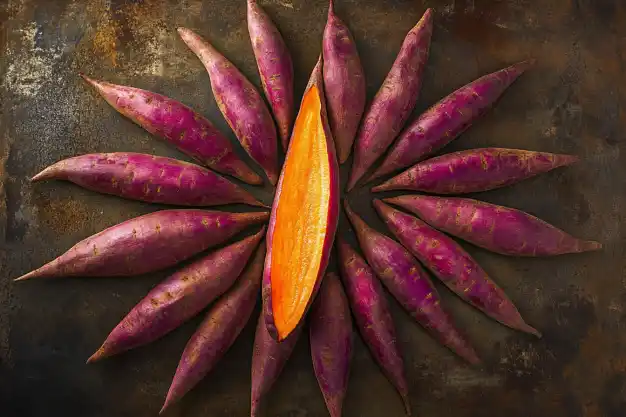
x: 449, y: 262
x: 145, y: 243
x: 475, y: 170
x: 344, y: 81
x: 217, y: 333
x: 179, y: 125
x: 268, y: 360
x: 447, y: 119
x: 496, y: 228
x: 372, y: 316
x: 394, y: 101
x: 180, y: 297
x: 150, y: 178
x: 331, y: 338
x: 240, y: 103
x: 333, y: 211
x: 410, y: 285
x: 275, y: 68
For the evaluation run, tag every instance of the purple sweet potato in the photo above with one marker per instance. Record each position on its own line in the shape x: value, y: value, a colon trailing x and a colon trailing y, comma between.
x: 410, y: 285
x: 179, y: 125
x: 394, y: 101
x: 240, y: 103
x: 268, y: 360
x: 147, y: 243
x: 475, y: 170
x: 447, y: 119
x: 449, y: 262
x: 150, y: 178
x: 372, y: 316
x: 180, y: 297
x: 275, y: 68
x: 332, y: 341
x: 219, y: 330
x: 344, y: 81
x: 496, y: 228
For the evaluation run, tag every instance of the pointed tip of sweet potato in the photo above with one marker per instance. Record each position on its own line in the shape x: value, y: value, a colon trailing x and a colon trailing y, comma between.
x: 98, y: 355
x: 589, y: 245
x: 46, y: 174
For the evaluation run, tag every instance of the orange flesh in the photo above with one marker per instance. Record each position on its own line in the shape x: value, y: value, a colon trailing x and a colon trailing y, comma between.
x: 301, y: 217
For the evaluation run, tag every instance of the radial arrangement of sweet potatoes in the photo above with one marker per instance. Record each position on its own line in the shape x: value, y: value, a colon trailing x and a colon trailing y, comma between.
x: 225, y: 272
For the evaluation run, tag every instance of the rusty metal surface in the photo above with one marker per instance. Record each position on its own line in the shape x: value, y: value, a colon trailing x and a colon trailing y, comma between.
x: 572, y: 101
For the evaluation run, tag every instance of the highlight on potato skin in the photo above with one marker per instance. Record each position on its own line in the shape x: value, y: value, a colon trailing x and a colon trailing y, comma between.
x: 453, y: 266
x: 304, y: 216
x: 240, y: 103
x: 171, y: 120
x: 475, y: 170
x: 496, y: 228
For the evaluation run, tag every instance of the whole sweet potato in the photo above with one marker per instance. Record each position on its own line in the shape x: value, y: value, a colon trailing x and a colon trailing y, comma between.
x: 240, y: 103
x: 496, y: 228
x: 219, y: 330
x: 475, y: 170
x: 150, y: 178
x: 394, y: 101
x: 447, y: 119
x: 179, y: 125
x: 180, y: 297
x: 344, y: 81
x: 410, y: 285
x: 332, y: 341
x: 147, y: 243
x: 449, y: 262
x: 275, y: 67
x: 372, y: 316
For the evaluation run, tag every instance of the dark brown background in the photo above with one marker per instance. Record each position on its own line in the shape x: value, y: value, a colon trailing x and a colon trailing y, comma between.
x: 572, y: 101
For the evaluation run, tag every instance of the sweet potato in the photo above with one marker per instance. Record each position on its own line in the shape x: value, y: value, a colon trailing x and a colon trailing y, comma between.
x: 219, y: 330
x: 147, y: 243
x: 240, y: 103
x: 344, y: 81
x: 268, y: 360
x: 496, y: 228
x: 394, y: 101
x: 180, y: 297
x: 449, y: 262
x: 371, y: 312
x: 150, y: 178
x: 179, y: 125
x: 447, y: 119
x: 275, y: 68
x: 475, y: 170
x: 331, y: 338
x: 410, y: 285
x: 304, y: 216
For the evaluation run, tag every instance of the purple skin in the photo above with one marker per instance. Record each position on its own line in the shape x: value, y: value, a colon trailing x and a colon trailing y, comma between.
x: 150, y: 178
x: 217, y: 333
x: 496, y: 228
x: 147, y: 243
x: 268, y: 360
x: 179, y: 125
x: 410, y: 285
x: 240, y: 103
x: 475, y: 170
x: 344, y: 82
x: 394, y: 101
x: 449, y: 262
x: 371, y: 313
x: 447, y: 119
x: 180, y: 297
x: 332, y: 342
x: 275, y: 67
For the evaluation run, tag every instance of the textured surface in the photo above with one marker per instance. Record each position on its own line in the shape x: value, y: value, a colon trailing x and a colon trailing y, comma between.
x: 572, y: 101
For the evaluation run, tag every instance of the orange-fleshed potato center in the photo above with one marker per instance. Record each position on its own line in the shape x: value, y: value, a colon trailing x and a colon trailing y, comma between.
x: 301, y: 217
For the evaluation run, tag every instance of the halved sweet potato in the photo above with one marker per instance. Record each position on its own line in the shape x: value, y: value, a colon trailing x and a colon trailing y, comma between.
x: 304, y: 216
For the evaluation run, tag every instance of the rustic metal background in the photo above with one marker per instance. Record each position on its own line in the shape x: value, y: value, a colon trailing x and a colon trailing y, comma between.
x: 572, y: 101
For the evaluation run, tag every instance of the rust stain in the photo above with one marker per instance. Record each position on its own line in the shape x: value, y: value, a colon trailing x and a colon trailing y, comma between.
x: 106, y: 39
x: 63, y: 216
